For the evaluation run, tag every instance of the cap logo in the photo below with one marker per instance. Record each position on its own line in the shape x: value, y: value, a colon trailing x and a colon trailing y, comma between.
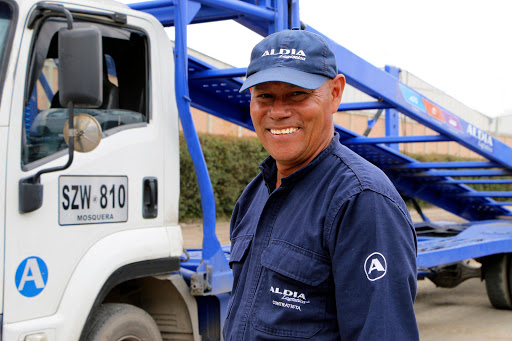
x: 296, y: 57
x: 286, y: 53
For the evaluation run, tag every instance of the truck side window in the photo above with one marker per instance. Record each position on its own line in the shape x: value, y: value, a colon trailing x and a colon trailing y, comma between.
x: 125, y: 79
x: 6, y: 31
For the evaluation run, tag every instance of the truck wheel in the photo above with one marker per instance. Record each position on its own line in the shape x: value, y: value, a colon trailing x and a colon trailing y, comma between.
x: 122, y: 322
x: 498, y: 280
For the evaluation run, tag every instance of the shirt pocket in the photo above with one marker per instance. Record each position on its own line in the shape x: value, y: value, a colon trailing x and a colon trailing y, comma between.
x: 293, y: 291
x: 240, y: 247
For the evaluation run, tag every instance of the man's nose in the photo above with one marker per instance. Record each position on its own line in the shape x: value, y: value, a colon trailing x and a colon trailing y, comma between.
x: 279, y: 110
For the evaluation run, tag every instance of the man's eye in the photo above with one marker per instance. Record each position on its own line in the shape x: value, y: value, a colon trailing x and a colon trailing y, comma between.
x: 264, y: 96
x: 298, y: 95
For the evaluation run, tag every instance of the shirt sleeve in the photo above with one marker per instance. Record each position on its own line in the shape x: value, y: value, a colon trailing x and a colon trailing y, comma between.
x: 373, y: 253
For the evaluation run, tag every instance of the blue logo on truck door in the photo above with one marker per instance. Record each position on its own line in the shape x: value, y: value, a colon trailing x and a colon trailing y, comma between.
x: 31, y: 276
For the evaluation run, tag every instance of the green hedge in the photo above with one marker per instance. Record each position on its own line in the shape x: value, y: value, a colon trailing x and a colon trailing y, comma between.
x: 232, y: 163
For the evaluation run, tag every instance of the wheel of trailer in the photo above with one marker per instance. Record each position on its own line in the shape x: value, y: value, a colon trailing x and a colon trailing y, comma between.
x: 122, y: 322
x: 498, y: 280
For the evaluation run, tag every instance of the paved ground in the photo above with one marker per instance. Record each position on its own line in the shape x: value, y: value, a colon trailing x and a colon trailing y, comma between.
x: 461, y: 313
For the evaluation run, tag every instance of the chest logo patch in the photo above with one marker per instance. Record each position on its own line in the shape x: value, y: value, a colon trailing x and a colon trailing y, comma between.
x: 293, y: 299
x: 375, y: 266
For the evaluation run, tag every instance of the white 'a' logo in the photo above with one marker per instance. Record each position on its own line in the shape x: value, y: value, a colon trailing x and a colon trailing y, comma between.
x: 32, y: 273
x: 375, y: 266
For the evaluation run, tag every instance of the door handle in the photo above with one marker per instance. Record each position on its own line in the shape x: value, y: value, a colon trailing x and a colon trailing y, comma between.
x: 150, y: 197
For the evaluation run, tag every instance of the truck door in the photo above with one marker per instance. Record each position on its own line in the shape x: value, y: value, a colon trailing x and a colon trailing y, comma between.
x: 6, y: 31
x: 112, y: 189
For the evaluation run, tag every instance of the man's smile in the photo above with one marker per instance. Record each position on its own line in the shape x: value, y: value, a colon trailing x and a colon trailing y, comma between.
x: 283, y: 131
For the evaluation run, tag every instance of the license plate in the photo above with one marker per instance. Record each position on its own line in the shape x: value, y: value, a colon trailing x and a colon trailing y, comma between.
x: 93, y: 199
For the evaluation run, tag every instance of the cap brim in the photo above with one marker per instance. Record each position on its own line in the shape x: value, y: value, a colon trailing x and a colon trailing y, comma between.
x: 286, y: 75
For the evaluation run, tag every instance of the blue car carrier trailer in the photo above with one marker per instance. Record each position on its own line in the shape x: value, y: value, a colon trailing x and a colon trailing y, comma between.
x: 443, y: 248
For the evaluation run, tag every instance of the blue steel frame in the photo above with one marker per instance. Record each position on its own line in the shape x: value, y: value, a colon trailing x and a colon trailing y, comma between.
x: 392, y: 122
x: 444, y: 184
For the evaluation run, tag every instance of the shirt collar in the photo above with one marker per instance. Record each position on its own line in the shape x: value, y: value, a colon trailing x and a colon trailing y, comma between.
x: 268, y: 167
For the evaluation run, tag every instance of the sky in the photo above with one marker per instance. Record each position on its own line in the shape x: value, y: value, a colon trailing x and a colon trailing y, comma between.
x: 461, y: 47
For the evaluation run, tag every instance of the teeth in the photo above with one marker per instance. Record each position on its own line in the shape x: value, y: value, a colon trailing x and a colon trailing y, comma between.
x: 283, y: 131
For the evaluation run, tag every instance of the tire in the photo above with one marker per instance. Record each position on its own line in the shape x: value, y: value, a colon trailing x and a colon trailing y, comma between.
x: 498, y: 279
x: 122, y: 322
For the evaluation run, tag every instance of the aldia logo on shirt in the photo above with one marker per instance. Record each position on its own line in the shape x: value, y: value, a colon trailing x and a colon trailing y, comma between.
x: 289, y: 296
x: 288, y: 293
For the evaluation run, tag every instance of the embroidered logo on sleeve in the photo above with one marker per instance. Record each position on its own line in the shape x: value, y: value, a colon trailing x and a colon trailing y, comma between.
x: 375, y: 266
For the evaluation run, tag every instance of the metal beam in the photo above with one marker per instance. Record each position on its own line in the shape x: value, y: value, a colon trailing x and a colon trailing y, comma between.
x: 395, y: 139
x: 487, y: 194
x: 454, y: 164
x: 392, y: 122
x: 478, y: 181
x: 452, y: 173
x: 363, y: 106
x: 242, y: 8
x: 218, y: 73
x: 501, y: 203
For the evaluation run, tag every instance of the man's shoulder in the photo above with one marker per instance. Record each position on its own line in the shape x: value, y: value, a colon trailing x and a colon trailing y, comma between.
x: 360, y: 171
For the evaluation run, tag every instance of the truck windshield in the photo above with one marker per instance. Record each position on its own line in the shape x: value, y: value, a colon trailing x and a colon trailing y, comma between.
x: 6, y: 16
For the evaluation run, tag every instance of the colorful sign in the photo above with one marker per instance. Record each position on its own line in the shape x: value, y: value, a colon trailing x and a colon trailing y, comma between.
x: 452, y: 120
x: 433, y: 110
x: 412, y: 98
x: 469, y: 132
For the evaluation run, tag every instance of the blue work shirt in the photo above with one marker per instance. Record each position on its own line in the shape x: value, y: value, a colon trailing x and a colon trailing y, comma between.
x: 329, y: 255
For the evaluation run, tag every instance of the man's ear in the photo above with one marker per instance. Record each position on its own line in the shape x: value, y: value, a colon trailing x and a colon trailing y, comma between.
x: 337, y: 87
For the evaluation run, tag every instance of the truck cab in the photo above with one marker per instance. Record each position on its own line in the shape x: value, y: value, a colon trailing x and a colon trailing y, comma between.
x: 107, y: 225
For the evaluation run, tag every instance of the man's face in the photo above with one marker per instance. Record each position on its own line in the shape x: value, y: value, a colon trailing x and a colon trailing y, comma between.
x: 295, y: 124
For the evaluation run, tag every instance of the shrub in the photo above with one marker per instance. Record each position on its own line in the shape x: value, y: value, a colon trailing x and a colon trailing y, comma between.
x: 232, y: 163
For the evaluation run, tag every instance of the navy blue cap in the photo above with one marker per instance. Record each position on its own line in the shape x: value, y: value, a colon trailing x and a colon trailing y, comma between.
x: 301, y: 58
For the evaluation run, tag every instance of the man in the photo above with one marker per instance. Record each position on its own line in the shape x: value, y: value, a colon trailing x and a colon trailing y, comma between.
x: 323, y: 247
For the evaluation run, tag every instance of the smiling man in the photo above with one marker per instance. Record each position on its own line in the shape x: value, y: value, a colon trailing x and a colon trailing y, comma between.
x: 323, y: 247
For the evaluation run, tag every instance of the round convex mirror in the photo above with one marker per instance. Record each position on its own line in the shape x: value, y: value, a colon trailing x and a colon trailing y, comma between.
x: 87, y: 133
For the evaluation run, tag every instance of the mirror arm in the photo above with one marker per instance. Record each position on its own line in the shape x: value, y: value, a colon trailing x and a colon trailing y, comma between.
x: 71, y: 146
x: 30, y: 188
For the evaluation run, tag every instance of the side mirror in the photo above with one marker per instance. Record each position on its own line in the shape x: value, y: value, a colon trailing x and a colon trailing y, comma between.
x: 81, y: 67
x: 80, y: 84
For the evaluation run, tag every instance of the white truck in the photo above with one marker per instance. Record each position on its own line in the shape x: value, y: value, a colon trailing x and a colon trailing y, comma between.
x: 92, y: 245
